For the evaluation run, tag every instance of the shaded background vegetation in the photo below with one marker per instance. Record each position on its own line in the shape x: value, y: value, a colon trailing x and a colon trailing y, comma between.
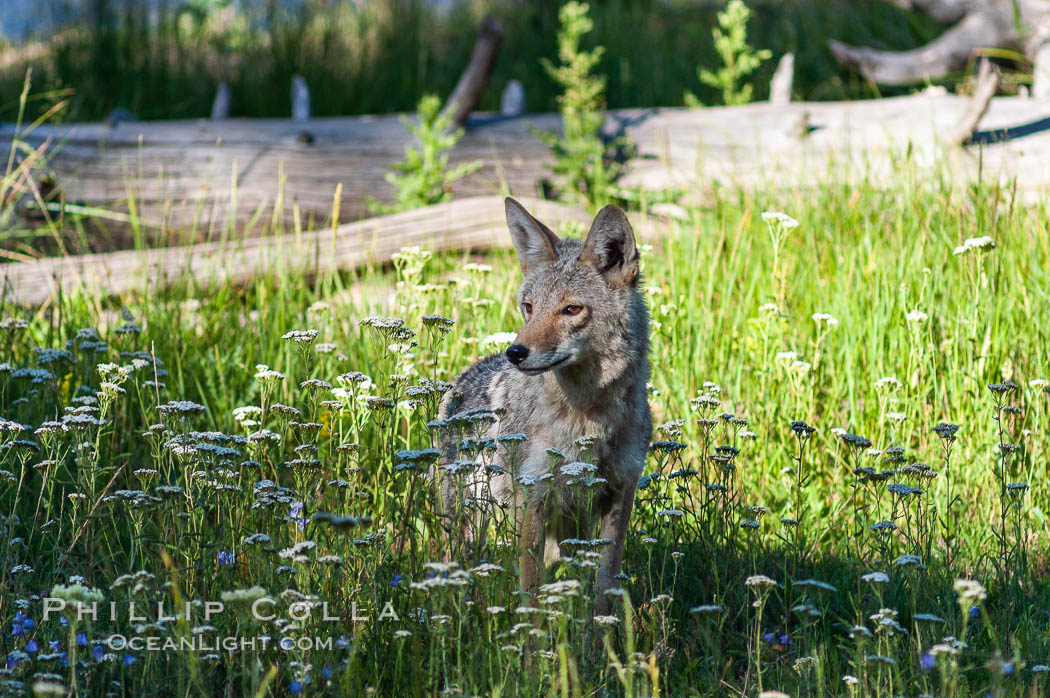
x: 165, y: 59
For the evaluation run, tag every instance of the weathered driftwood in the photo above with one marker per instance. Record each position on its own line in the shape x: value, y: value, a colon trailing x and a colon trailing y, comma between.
x: 1017, y: 24
x: 467, y: 92
x: 203, y: 174
x: 465, y: 224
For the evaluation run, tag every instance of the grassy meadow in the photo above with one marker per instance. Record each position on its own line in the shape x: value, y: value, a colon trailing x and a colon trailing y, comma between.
x: 853, y: 418
x: 381, y: 56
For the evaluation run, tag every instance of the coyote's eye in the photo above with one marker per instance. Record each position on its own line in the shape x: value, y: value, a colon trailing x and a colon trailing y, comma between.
x: 572, y: 309
x: 528, y: 308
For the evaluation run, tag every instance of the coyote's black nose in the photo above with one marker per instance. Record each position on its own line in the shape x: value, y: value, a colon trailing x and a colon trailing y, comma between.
x: 516, y: 353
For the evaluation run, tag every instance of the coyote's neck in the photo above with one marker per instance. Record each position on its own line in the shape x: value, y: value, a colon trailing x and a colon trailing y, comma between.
x: 599, y: 385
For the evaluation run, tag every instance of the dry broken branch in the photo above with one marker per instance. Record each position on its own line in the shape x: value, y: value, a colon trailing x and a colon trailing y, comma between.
x: 983, y: 91
x: 468, y: 90
x: 783, y: 79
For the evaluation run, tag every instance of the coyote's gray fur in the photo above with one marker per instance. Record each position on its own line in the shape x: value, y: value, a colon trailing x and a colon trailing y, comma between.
x: 574, y: 380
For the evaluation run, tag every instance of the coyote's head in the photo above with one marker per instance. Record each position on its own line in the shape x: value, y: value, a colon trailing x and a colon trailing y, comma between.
x: 579, y: 299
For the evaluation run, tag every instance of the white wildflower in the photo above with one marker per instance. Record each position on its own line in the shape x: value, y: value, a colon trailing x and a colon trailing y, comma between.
x: 917, y: 317
x: 970, y: 590
x: 778, y: 218
x: 826, y: 318
x: 499, y: 338
x: 760, y: 581
x: 707, y: 608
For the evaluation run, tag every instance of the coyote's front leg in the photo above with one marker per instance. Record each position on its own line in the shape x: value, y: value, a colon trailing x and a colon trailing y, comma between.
x: 614, y: 527
x: 530, y: 544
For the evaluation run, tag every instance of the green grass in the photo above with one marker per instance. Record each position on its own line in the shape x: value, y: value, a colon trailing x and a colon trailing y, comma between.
x: 383, y: 56
x: 865, y: 256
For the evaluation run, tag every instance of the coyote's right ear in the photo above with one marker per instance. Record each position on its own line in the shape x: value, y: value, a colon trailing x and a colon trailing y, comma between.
x: 535, y: 241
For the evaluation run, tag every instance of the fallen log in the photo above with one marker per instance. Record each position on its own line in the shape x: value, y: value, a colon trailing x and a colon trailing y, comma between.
x: 978, y: 24
x: 208, y: 177
x: 465, y: 224
x: 202, y: 176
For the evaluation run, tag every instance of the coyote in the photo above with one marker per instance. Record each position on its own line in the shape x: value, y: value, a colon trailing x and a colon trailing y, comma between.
x: 573, y: 380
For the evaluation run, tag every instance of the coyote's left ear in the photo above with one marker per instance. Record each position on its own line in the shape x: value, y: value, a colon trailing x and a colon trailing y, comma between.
x: 610, y: 247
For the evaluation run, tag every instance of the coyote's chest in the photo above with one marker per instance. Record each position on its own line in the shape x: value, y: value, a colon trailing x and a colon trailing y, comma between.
x: 562, y: 435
